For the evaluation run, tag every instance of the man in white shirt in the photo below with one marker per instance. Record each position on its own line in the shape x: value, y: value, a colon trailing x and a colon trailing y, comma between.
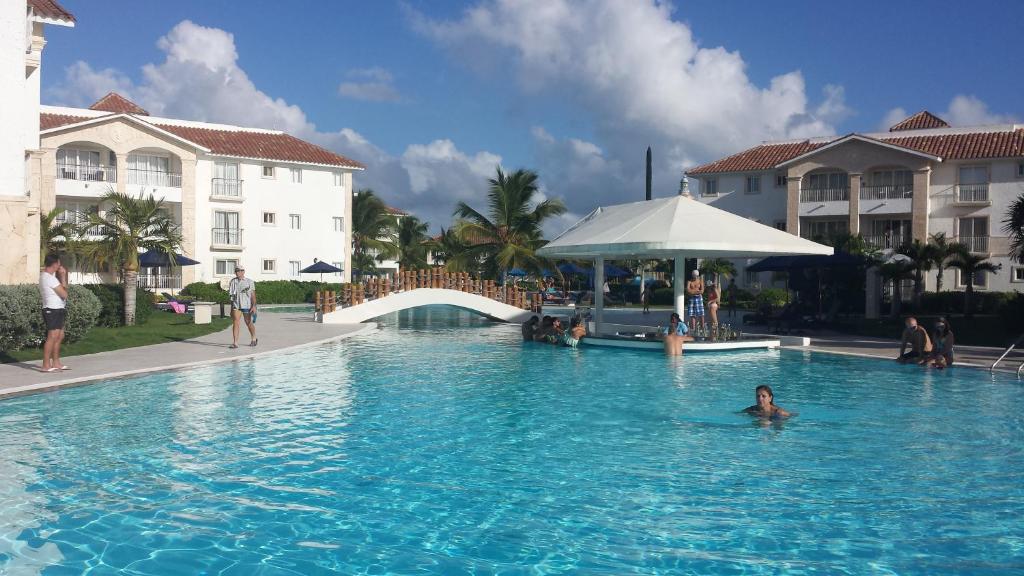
x: 53, y: 288
x: 242, y: 291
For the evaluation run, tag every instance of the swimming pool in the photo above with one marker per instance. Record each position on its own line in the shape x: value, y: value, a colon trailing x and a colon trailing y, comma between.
x: 442, y: 445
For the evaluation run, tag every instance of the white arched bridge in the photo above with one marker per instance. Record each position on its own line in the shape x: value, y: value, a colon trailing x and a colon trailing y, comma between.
x: 361, y: 302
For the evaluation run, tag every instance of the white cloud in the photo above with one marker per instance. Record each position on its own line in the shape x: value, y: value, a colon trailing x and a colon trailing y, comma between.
x: 376, y: 85
x: 891, y: 118
x: 200, y: 79
x: 642, y: 79
x: 965, y: 110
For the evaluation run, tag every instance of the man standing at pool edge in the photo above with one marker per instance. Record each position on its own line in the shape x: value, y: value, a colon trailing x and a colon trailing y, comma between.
x: 53, y: 288
x: 695, y: 290
x: 242, y: 292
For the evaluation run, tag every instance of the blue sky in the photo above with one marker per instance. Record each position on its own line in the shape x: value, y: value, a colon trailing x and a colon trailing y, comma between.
x: 576, y: 90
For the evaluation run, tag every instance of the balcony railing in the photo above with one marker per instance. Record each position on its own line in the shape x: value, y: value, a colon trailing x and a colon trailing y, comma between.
x: 154, y: 178
x: 227, y: 188
x: 227, y: 236
x: 887, y: 241
x: 159, y: 281
x: 976, y: 244
x: 86, y: 172
x: 972, y: 193
x: 825, y: 194
x: 888, y: 192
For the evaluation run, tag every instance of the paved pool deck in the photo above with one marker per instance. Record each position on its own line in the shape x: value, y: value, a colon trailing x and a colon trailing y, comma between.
x: 277, y: 332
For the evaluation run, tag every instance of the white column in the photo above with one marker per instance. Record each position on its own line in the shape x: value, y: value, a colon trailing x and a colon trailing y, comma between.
x: 598, y: 294
x: 679, y: 285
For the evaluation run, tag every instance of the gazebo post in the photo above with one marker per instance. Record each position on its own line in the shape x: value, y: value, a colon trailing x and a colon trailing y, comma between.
x: 679, y: 285
x: 598, y: 294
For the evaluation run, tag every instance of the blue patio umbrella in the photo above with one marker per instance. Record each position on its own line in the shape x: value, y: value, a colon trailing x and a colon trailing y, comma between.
x: 320, y: 267
x: 516, y: 272
x: 156, y: 258
x: 572, y: 268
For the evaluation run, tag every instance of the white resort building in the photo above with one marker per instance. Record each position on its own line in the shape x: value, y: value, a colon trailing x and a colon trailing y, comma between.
x: 920, y: 178
x: 22, y: 25
x: 249, y: 196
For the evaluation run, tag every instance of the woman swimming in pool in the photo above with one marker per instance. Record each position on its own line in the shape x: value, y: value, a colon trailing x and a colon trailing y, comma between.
x: 765, y: 407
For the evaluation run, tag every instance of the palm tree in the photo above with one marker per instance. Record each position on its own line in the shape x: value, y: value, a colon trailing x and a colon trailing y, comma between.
x: 970, y: 265
x: 373, y: 232
x: 896, y: 272
x: 922, y: 258
x: 55, y: 235
x: 450, y: 251
x: 129, y: 226
x: 942, y: 251
x: 718, y: 267
x: 412, y: 243
x: 510, y: 234
x: 1013, y: 225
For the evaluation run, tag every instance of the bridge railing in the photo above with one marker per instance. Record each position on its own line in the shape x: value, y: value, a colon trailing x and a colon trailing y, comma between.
x: 406, y: 280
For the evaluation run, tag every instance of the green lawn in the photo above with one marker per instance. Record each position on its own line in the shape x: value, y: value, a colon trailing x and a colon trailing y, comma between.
x: 162, y: 327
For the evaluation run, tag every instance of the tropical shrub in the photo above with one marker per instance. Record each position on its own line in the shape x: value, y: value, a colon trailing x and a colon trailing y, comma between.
x: 111, y: 298
x: 21, y: 320
x: 203, y: 292
x: 771, y: 298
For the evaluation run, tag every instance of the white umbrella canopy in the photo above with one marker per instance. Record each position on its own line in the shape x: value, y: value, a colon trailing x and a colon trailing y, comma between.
x: 674, y: 227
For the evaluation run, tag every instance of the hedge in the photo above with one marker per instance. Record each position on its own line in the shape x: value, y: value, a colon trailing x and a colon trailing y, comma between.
x: 268, y: 292
x: 21, y: 318
x: 111, y: 297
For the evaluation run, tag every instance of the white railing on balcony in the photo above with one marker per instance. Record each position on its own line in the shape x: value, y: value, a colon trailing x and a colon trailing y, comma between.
x: 972, y: 193
x: 825, y: 194
x: 159, y: 281
x: 888, y: 192
x: 227, y: 187
x: 227, y: 236
x: 154, y: 178
x: 977, y: 244
x: 887, y: 241
x: 86, y: 172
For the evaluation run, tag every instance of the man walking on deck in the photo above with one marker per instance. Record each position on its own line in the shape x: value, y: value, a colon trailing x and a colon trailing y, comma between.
x: 242, y: 291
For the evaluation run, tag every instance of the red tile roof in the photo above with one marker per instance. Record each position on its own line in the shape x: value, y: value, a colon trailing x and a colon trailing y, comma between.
x: 114, y: 102
x: 763, y: 157
x: 241, y: 143
x: 966, y: 146
x: 922, y: 120
x: 50, y: 9
x: 396, y: 211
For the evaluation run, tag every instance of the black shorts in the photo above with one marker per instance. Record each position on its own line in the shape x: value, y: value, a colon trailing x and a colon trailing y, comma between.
x: 54, y: 318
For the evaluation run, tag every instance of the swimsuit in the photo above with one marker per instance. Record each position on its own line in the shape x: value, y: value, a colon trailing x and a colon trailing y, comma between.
x: 696, y: 305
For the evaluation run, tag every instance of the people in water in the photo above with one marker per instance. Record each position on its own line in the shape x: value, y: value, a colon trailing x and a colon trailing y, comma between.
x: 942, y: 351
x: 530, y: 327
x: 916, y: 338
x: 765, y: 406
x: 541, y: 333
x: 575, y: 334
x: 675, y: 334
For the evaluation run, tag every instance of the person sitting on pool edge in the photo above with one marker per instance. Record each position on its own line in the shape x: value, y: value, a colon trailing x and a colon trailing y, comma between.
x: 675, y: 334
x: 765, y: 407
x: 942, y: 353
x: 917, y: 338
x: 530, y: 327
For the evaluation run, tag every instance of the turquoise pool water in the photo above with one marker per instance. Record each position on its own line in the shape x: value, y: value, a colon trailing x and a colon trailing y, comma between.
x: 442, y: 445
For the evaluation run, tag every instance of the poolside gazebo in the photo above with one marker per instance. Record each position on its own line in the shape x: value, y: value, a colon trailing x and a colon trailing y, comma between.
x: 678, y: 227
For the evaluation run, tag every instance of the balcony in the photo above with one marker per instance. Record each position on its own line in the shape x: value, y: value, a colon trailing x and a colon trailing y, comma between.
x: 972, y: 194
x: 160, y: 281
x: 976, y: 244
x: 819, y: 195
x: 86, y: 172
x: 154, y: 178
x: 226, y: 189
x: 887, y: 192
x: 887, y: 241
x: 227, y: 238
